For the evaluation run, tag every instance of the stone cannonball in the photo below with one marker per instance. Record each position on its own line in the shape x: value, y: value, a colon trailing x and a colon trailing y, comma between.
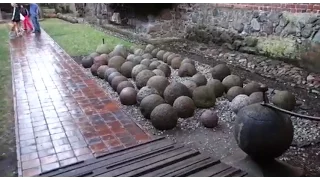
x: 101, y: 71
x: 284, y: 100
x: 232, y: 80
x: 216, y: 86
x: 164, y: 117
x: 262, y: 132
x: 176, y: 62
x: 123, y: 85
x: 203, y: 97
x: 137, y: 60
x: 116, y: 62
x: 87, y: 62
x: 154, y: 52
x: 239, y: 102
x: 191, y: 85
x: 116, y: 81
x: 146, y: 62
x: 199, y: 79
x: 166, y: 55
x: 184, y: 106
x: 165, y: 68
x: 144, y: 92
x: 187, y: 70
x: 160, y: 54
x: 187, y: 60
x: 108, y: 72
x: 149, y: 48
x: 137, y: 69
x: 143, y: 77
x: 149, y: 103
x: 154, y: 65
x: 128, y: 96
x: 147, y: 56
x: 105, y: 58
x: 94, y: 69
x: 126, y: 69
x: 256, y: 97
x: 119, y: 50
x: 251, y: 88
x: 159, y: 83
x: 103, y: 49
x: 175, y: 90
x: 220, y: 71
x: 112, y: 76
x: 170, y: 58
x: 99, y: 60
x: 94, y: 54
x: 158, y: 72
x: 130, y: 57
x: 138, y: 52
x: 233, y: 92
x: 209, y: 119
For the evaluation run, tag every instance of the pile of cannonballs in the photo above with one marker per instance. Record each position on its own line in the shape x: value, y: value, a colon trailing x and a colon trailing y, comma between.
x: 162, y: 101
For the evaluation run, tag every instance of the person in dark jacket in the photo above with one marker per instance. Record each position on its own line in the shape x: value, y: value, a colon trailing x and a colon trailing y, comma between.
x: 16, y: 18
x: 26, y: 23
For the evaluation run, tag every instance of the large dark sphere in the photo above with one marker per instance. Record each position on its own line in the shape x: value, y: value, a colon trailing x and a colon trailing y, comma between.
x: 116, y: 81
x: 220, y: 71
x: 87, y: 62
x: 128, y: 96
x: 113, y: 75
x: 164, y: 117
x: 262, y: 132
x: 149, y: 103
x: 209, y: 119
x: 123, y: 85
x: 108, y: 72
x: 175, y: 90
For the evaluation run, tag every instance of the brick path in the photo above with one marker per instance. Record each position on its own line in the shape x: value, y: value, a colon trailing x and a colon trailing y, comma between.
x: 62, y: 116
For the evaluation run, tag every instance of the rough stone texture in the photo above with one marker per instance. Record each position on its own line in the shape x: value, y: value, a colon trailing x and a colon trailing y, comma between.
x: 126, y: 69
x: 165, y: 68
x: 284, y: 99
x: 165, y: 56
x: 203, y: 97
x: 220, y: 71
x: 187, y: 69
x: 278, y: 34
x: 137, y: 69
x: 108, y: 72
x: 149, y: 103
x: 209, y: 119
x: 232, y: 80
x: 176, y: 62
x: 116, y: 62
x: 149, y: 48
x: 112, y: 76
x: 256, y: 97
x: 144, y: 92
x: 143, y: 77
x: 158, y: 72
x: 216, y: 86
x: 239, y: 102
x: 147, y: 56
x: 164, y: 117
x: 128, y: 96
x: 160, y: 83
x: 184, y: 106
x: 94, y: 69
x: 191, y: 85
x: 123, y: 85
x: 154, y: 65
x: 160, y: 54
x: 251, y: 88
x: 116, y: 81
x: 234, y: 91
x: 175, y: 90
x: 101, y: 71
x: 187, y: 60
x: 199, y: 79
x: 146, y: 62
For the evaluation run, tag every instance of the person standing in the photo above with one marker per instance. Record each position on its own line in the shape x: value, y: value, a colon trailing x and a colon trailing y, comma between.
x: 16, y: 19
x: 34, y: 12
x: 26, y: 23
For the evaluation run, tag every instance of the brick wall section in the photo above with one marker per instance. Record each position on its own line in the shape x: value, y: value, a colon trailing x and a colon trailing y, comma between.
x: 290, y: 7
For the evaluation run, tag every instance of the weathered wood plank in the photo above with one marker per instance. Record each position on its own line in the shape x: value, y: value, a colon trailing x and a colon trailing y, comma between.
x: 193, y: 168
x: 177, y: 166
x: 114, y: 161
x: 210, y: 171
x: 227, y: 173
x: 106, y: 168
x: 179, y: 152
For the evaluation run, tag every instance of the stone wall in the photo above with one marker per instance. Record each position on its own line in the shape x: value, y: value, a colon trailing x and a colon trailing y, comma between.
x: 294, y: 37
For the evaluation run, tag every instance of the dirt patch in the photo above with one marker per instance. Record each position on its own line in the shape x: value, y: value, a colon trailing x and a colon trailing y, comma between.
x: 8, y: 155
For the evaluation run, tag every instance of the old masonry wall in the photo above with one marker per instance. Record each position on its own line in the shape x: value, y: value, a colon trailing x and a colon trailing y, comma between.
x: 283, y: 31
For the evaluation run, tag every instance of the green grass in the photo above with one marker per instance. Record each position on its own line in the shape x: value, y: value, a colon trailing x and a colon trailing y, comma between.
x: 78, y: 39
x: 5, y: 77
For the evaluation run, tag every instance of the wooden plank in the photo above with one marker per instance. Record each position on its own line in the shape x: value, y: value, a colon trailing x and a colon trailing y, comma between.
x: 179, y: 152
x: 210, y: 171
x: 177, y: 166
x: 193, y: 168
x: 160, y: 164
x: 240, y: 174
x: 227, y: 173
x: 106, y: 168
x: 114, y: 161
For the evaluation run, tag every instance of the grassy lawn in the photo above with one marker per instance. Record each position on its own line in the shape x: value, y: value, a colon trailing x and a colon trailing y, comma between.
x: 7, y: 141
x: 78, y: 39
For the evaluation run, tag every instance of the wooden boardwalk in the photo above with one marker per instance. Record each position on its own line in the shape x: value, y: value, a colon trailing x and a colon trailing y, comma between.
x: 156, y: 158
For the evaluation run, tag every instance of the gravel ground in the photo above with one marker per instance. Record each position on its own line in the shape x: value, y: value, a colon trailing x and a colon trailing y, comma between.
x: 277, y: 75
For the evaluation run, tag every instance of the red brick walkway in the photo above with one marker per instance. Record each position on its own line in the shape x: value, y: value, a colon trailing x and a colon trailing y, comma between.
x: 62, y: 116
